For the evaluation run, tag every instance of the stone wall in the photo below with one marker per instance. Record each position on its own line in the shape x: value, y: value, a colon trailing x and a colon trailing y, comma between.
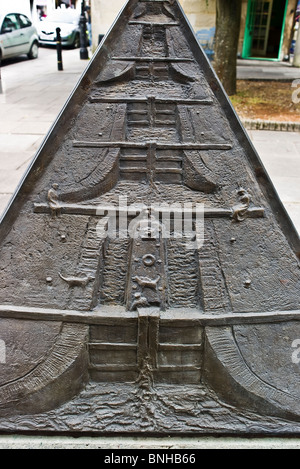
x: 201, y: 14
x: 103, y: 16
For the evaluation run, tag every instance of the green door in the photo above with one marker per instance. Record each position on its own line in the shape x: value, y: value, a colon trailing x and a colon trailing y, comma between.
x: 249, y: 29
x: 264, y: 28
x: 261, y: 27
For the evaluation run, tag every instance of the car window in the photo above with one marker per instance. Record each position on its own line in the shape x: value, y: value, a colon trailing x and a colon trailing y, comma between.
x: 11, y: 22
x: 24, y: 21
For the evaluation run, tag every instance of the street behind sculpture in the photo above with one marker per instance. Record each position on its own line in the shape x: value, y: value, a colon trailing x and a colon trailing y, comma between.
x: 149, y: 273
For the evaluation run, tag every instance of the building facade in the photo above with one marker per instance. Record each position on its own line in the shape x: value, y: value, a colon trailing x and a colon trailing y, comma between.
x: 267, y: 29
x: 267, y: 26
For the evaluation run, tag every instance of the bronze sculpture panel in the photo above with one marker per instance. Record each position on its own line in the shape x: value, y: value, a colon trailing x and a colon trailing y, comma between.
x: 149, y: 273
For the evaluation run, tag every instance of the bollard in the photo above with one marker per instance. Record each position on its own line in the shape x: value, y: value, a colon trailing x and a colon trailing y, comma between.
x: 84, y: 54
x: 59, y: 51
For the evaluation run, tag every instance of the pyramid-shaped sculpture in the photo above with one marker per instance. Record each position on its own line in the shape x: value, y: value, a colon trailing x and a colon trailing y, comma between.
x: 149, y: 273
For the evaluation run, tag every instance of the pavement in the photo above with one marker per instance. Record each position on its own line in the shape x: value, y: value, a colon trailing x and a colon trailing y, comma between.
x: 266, y: 70
x: 34, y: 92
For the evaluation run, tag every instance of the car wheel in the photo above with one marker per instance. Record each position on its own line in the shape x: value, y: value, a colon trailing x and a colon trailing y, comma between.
x: 76, y: 42
x: 34, y: 51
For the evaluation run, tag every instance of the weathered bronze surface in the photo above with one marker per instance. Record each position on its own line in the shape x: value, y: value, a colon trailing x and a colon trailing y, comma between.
x: 115, y: 319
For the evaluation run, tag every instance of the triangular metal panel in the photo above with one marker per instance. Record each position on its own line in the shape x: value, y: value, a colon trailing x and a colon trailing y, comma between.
x: 147, y: 255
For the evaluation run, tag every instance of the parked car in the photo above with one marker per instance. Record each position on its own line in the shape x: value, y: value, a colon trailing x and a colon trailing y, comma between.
x: 18, y: 36
x: 67, y: 20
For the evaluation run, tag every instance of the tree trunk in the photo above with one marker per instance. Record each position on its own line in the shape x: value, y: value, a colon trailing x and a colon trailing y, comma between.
x: 227, y: 37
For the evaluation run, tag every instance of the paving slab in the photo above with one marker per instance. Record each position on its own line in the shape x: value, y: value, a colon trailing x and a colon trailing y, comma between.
x: 266, y: 70
x: 4, y: 200
x: 280, y: 154
x: 25, y: 126
x: 17, y: 143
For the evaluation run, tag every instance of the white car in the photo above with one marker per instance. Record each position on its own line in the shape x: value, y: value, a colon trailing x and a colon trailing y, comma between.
x: 68, y: 22
x: 17, y: 36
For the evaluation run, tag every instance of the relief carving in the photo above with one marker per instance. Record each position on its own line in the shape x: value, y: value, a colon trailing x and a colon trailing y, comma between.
x: 147, y: 277
x: 240, y: 211
x: 53, y: 200
x: 77, y: 281
x: 159, y: 315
